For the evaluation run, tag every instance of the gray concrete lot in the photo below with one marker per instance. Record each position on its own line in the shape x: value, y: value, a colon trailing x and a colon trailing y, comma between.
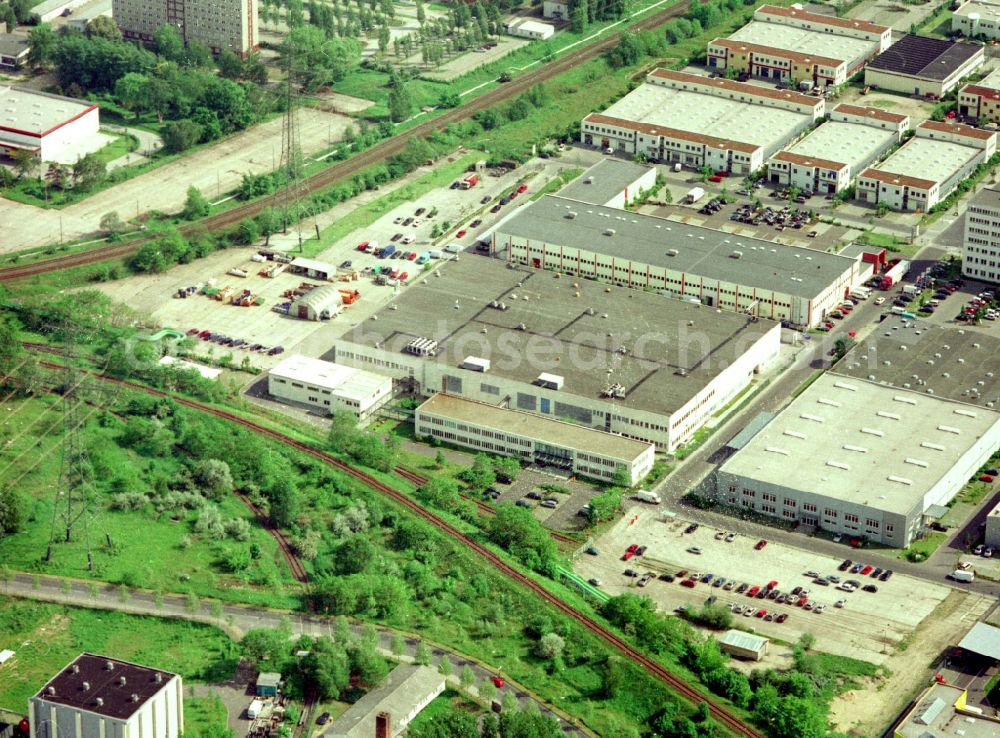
x: 869, y: 627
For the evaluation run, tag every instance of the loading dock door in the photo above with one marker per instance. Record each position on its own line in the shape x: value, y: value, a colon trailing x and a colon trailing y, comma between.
x: 303, y: 312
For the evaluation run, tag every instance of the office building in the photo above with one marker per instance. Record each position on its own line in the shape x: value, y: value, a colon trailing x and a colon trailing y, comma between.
x: 830, y: 157
x: 322, y: 385
x: 53, y: 127
x: 797, y: 46
x: 219, y: 24
x: 623, y: 361
x: 928, y: 167
x: 853, y: 456
x: 101, y: 697
x: 921, y: 65
x: 977, y: 19
x: 718, y: 269
x: 697, y: 121
x: 584, y: 452
x: 980, y: 101
x: 981, y: 239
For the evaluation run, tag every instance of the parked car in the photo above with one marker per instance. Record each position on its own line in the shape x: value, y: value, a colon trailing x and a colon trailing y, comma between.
x: 592, y: 550
x: 865, y: 570
x: 845, y: 565
x: 760, y: 544
x: 666, y: 577
x: 323, y: 719
x: 869, y: 588
x: 630, y: 573
x: 527, y: 505
x: 730, y: 537
x: 694, y: 550
x: 461, y: 233
x: 781, y: 618
x: 549, y: 503
x: 690, y: 583
x: 742, y: 588
x: 594, y: 582
x: 988, y: 478
x: 691, y: 528
x: 497, y: 682
x: 644, y: 580
x: 885, y: 575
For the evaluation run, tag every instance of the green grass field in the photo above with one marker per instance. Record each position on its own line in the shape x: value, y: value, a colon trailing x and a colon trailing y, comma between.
x: 47, y: 637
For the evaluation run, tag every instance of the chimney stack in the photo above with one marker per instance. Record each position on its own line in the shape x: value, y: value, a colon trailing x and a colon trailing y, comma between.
x: 383, y: 725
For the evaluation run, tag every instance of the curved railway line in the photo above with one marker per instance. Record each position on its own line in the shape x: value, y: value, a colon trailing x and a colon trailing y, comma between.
x: 718, y: 711
x: 377, y: 153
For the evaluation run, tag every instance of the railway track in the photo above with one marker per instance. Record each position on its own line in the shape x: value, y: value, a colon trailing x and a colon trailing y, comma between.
x: 718, y: 711
x: 294, y: 563
x: 377, y: 153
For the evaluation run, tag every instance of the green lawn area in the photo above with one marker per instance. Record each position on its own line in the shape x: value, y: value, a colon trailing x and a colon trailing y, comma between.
x: 938, y: 24
x: 205, y: 717
x: 439, y: 706
x: 47, y: 637
x: 925, y: 546
x: 151, y: 550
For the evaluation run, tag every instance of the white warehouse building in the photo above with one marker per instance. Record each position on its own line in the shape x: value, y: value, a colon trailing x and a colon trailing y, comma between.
x: 54, y: 127
x: 323, y: 385
x: 678, y: 117
x: 854, y: 456
x: 100, y: 697
x: 582, y: 451
x: 830, y: 157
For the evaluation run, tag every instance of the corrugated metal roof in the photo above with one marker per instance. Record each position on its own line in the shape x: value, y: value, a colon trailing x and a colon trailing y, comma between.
x: 983, y: 639
x: 744, y: 640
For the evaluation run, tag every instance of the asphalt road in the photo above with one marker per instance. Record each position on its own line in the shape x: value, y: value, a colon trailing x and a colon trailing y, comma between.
x: 238, y: 619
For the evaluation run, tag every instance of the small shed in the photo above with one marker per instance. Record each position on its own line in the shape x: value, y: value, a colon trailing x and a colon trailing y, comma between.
x: 312, y: 268
x: 268, y: 683
x: 744, y: 645
x: 527, y: 28
x: 320, y: 303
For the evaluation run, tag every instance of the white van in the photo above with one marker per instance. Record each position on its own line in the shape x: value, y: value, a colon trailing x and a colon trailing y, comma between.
x: 408, y: 238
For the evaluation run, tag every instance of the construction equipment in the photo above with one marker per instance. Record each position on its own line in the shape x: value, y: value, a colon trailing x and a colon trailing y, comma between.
x: 350, y: 297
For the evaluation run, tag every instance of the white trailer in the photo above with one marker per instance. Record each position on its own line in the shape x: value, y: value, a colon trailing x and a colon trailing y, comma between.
x: 694, y: 195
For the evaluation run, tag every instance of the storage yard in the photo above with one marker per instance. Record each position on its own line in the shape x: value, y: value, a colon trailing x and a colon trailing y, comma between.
x: 870, y: 626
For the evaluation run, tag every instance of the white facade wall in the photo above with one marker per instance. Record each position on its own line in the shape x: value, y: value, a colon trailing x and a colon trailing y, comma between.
x: 981, y: 243
x: 992, y: 537
x: 558, y: 9
x: 898, y: 128
x: 898, y: 196
x: 791, y: 174
x: 814, y: 107
x: 970, y: 21
x: 766, y: 303
x: 70, y: 134
x: 631, y: 192
x: 585, y: 463
x: 327, y: 399
x: 883, y: 37
x: 161, y: 716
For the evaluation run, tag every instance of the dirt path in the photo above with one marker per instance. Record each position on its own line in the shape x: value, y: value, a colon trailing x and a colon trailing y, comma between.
x: 860, y: 713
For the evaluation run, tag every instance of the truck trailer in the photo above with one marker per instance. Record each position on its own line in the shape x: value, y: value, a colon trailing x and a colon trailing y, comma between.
x: 388, y: 250
x: 651, y: 497
x: 896, y: 270
x: 469, y: 182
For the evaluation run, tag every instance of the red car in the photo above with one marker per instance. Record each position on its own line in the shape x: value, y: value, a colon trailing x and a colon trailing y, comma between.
x: 760, y: 613
x: 403, y: 276
x: 752, y: 592
x: 633, y: 548
x: 362, y: 246
x: 688, y: 583
x: 802, y: 601
x: 773, y: 584
x: 461, y: 233
x: 715, y: 178
x: 411, y: 256
x: 394, y: 273
x: 204, y: 334
x: 628, y: 555
x: 866, y: 570
x: 781, y: 618
x: 193, y: 332
x: 523, y: 188
x: 497, y: 681
x: 988, y: 478
x: 760, y: 544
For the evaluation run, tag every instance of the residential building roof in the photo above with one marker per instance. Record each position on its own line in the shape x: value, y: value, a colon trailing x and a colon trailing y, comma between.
x: 105, y: 686
x: 605, y: 180
x: 822, y: 18
x: 868, y: 112
x: 342, y: 381
x: 860, y: 442
x: 959, y: 129
x: 925, y: 57
x: 543, y: 324
x: 37, y: 113
x: 645, y: 239
x: 531, y: 425
x: 406, y: 688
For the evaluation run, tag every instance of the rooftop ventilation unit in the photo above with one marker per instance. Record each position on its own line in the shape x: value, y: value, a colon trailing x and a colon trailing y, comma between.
x: 934, y: 446
x: 550, y: 381
x: 422, y: 347
x: 99, y: 702
x: 109, y: 665
x: 570, y: 215
x: 873, y: 432
x: 900, y: 480
x: 158, y: 678
x: 963, y: 411
x: 672, y: 252
x: 859, y: 449
x: 824, y: 401
x: 121, y: 681
x: 609, y: 231
x: 736, y: 255
x: 134, y: 697
x: 475, y: 364
x: 75, y: 668
x: 915, y: 462
x: 50, y: 690
x: 904, y: 398
x: 949, y: 429
x: 810, y: 416
x: 498, y: 305
x: 777, y: 450
x: 85, y: 686
x: 839, y: 465
x: 884, y: 414
x: 845, y: 386
x: 795, y: 434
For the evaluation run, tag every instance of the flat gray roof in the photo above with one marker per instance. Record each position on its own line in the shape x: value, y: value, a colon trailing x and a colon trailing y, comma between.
x: 983, y: 639
x: 928, y: 158
x: 604, y: 180
x: 846, y: 143
x: 406, y: 687
x: 700, y: 113
x: 860, y: 442
x: 530, y: 425
x: 805, y: 41
x: 908, y: 352
x: 935, y: 716
x: 988, y: 197
x: 36, y: 112
x: 13, y: 44
x: 660, y: 335
x: 701, y: 251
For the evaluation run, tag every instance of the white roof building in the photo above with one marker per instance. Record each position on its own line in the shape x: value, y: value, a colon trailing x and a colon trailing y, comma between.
x: 744, y: 645
x: 54, y: 127
x: 527, y: 28
x: 327, y: 386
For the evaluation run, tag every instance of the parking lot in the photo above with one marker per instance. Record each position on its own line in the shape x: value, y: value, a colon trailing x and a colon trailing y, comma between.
x: 869, y: 626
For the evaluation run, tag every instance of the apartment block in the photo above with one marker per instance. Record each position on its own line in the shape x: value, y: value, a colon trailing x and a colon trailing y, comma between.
x: 220, y: 24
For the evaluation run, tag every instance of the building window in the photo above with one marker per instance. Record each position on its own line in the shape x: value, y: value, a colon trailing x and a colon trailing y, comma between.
x: 830, y: 513
x: 850, y: 517
x: 808, y: 507
x: 789, y: 502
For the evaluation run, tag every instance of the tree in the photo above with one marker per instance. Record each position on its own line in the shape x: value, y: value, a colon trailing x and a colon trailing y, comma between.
x: 43, y: 42
x: 605, y: 505
x: 326, y: 668
x: 180, y: 135
x: 104, y: 26
x: 13, y: 509
x: 285, y: 501
x: 445, y: 667
x: 506, y: 469
x: 131, y: 92
x: 488, y: 691
x: 168, y: 43
x: 423, y: 654
x: 399, y: 102
x: 26, y: 164
x: 89, y: 171
x: 440, y: 492
x: 439, y: 459
x: 467, y: 677
x: 195, y: 205
x: 550, y: 646
x: 612, y: 677
x: 398, y: 645
x: 111, y: 223
x: 8, y: 17
x: 367, y: 664
x: 214, y: 478
x: 269, y: 646
x: 248, y: 232
x: 230, y: 65
x: 383, y: 39
x: 517, y: 531
x: 480, y: 475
